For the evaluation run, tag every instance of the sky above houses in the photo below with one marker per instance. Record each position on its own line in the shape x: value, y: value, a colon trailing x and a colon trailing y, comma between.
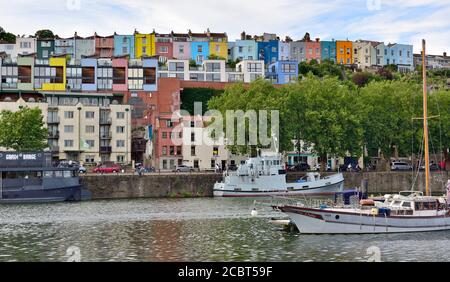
x: 401, y: 21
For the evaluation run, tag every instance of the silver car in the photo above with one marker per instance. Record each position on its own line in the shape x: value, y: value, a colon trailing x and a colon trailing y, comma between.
x: 183, y: 168
x: 400, y: 166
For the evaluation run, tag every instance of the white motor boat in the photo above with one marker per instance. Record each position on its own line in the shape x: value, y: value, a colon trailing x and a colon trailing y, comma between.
x: 266, y: 176
x: 406, y: 212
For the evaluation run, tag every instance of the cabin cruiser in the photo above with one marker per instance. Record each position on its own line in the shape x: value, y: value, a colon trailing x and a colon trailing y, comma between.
x: 31, y: 178
x: 265, y: 175
x: 408, y: 211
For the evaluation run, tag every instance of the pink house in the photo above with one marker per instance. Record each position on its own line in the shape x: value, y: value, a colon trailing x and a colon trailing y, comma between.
x: 120, y: 74
x: 104, y: 46
x: 181, y: 46
x: 313, y: 50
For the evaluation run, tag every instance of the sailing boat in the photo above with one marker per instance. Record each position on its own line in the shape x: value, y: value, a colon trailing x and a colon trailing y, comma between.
x: 408, y: 211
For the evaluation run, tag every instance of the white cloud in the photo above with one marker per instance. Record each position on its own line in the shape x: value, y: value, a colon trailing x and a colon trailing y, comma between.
x: 397, y: 20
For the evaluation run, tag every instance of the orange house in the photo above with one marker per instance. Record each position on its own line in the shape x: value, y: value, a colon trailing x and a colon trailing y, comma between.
x: 344, y: 52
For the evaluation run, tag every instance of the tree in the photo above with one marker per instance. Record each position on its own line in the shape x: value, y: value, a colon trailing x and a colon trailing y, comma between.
x: 439, y: 127
x: 331, y: 118
x: 7, y: 36
x: 362, y: 78
x: 215, y: 57
x: 389, y: 107
x: 23, y: 130
x: 44, y: 34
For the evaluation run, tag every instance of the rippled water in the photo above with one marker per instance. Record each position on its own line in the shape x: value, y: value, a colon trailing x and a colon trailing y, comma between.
x: 188, y: 230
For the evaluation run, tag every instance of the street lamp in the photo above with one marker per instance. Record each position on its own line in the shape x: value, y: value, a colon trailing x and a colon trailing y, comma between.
x: 126, y: 140
x: 79, y: 133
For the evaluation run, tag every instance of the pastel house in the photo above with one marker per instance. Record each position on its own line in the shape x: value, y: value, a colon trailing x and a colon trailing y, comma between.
x: 282, y: 72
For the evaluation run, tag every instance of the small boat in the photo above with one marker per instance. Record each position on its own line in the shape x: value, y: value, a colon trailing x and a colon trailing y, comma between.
x: 31, y: 178
x: 265, y: 175
x: 408, y: 211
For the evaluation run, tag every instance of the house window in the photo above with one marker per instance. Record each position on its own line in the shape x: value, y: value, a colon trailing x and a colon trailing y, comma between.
x: 144, y: 50
x: 215, y: 151
x: 89, y: 114
x: 163, y: 49
x: 181, y: 49
x: 120, y: 115
x: 164, y: 151
x: 124, y: 50
x: 90, y: 143
x: 341, y: 50
x: 68, y: 128
x: 240, y: 49
x: 164, y: 135
x: 172, y: 150
x: 44, y: 53
x: 348, y: 51
x: 274, y: 49
x: 120, y: 158
x: 149, y: 75
x: 120, y: 129
x: 178, y: 150
x: 192, y: 137
x: 217, y: 48
x: 90, y: 129
x: 199, y: 48
x: 200, y: 58
x: 120, y: 143
x: 192, y: 150
x: 68, y: 114
x: 68, y: 143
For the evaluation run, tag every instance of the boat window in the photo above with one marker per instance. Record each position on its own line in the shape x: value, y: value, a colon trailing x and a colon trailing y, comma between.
x: 425, y: 206
x: 67, y: 173
x: 396, y: 203
x: 48, y: 174
x: 406, y: 204
x: 281, y: 171
x: 58, y: 173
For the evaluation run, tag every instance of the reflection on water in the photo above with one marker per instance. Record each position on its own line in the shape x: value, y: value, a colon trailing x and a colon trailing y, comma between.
x: 188, y: 230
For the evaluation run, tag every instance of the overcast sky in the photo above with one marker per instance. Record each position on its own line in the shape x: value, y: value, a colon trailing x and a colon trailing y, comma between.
x: 401, y: 21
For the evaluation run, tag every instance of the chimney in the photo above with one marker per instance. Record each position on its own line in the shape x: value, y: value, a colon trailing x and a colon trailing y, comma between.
x: 208, y: 32
x: 243, y: 35
x: 317, y: 39
x: 445, y: 54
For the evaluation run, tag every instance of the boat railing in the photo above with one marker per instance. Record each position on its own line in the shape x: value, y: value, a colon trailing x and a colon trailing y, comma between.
x: 278, y: 201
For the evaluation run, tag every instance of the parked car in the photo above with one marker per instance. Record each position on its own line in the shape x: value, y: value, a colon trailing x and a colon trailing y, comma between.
x: 301, y: 167
x: 82, y: 169
x: 183, y: 168
x: 317, y: 167
x: 433, y: 166
x: 232, y: 167
x: 113, y: 168
x: 400, y: 166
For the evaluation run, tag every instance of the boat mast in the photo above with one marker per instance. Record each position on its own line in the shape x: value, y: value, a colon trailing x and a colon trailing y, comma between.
x: 425, y: 122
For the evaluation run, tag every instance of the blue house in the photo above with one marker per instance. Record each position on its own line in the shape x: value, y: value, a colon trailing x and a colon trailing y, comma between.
x: 282, y: 72
x: 244, y: 50
x: 268, y: 51
x: 400, y: 55
x: 89, y: 74
x: 199, y: 51
x: 328, y: 50
x: 124, y: 45
x: 150, y: 66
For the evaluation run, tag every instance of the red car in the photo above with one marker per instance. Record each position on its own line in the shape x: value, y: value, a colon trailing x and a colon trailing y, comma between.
x: 107, y: 169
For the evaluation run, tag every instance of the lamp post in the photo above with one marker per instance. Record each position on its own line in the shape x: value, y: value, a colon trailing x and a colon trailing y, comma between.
x: 126, y: 140
x: 79, y: 133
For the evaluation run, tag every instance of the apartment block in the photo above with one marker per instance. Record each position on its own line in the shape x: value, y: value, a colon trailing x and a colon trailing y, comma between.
x: 282, y: 72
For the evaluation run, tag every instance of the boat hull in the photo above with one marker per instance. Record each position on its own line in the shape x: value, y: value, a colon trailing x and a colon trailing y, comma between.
x: 318, y: 221
x: 16, y: 196
x: 220, y: 190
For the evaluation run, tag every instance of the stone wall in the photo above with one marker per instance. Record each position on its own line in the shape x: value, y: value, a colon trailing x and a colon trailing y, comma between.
x: 201, y: 185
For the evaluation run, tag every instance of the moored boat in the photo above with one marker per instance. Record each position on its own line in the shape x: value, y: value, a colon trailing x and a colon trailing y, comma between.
x: 265, y: 175
x: 30, y: 178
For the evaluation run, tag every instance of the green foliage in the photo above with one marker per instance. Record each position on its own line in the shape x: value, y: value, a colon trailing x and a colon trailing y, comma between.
x: 7, y: 36
x: 23, y: 130
x: 44, y: 34
x: 191, y: 95
x: 362, y: 78
x: 326, y: 68
x: 192, y: 63
x: 215, y: 57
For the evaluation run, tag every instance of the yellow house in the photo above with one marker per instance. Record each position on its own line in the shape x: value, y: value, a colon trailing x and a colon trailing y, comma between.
x: 57, y: 75
x: 144, y: 45
x: 218, y: 49
x: 344, y: 52
x: 218, y: 44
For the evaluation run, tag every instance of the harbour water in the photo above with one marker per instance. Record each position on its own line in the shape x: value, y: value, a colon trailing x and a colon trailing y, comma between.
x: 206, y: 229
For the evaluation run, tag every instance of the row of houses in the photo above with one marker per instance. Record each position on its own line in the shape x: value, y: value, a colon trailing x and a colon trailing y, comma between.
x: 199, y: 47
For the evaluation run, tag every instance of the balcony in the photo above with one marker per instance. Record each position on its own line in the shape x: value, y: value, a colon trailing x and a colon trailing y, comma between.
x: 52, y: 120
x: 105, y: 121
x: 106, y: 135
x: 54, y: 149
x: 105, y: 149
x: 53, y: 135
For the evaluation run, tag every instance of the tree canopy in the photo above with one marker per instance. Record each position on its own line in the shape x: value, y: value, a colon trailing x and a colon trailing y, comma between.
x: 44, y: 34
x: 23, y: 130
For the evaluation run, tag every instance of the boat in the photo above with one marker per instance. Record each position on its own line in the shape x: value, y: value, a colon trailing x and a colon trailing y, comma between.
x: 265, y: 175
x: 30, y: 177
x: 408, y: 211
